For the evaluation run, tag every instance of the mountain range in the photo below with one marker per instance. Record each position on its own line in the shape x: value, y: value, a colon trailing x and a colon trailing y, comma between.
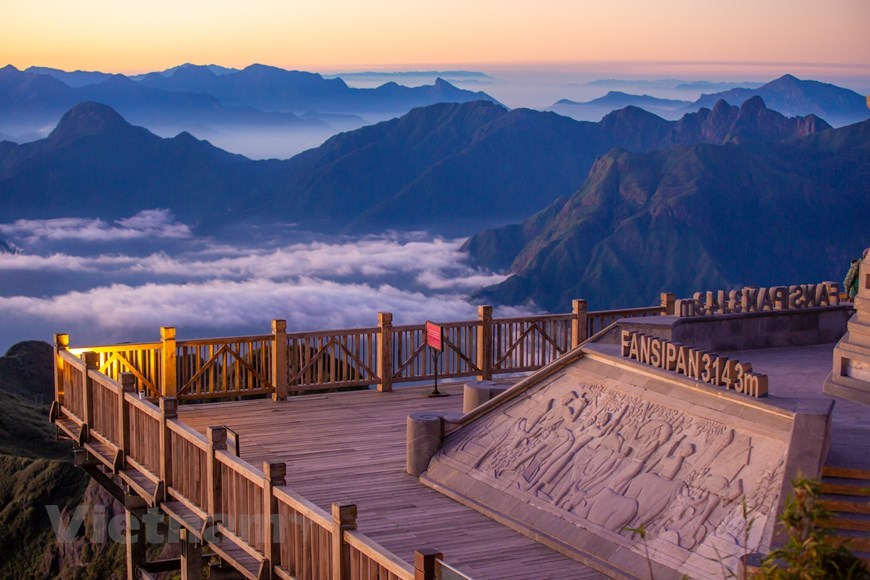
x: 706, y: 216
x: 788, y: 95
x: 598, y: 108
x: 210, y: 100
x: 451, y: 168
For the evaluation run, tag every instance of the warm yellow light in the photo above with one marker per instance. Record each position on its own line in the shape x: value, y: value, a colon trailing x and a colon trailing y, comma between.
x: 329, y: 34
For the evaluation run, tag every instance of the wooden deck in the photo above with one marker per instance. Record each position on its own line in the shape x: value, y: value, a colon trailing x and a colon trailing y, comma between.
x: 350, y: 448
x: 801, y: 372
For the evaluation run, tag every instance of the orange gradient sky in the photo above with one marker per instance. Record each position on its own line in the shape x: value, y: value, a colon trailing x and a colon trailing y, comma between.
x: 330, y: 35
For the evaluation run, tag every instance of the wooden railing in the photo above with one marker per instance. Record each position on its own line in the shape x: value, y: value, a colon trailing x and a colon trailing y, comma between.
x: 368, y: 559
x: 597, y: 321
x: 280, y: 363
x: 306, y: 533
x: 331, y: 359
x: 143, y: 360
x: 218, y: 368
x: 166, y: 461
x: 412, y: 361
x: 522, y: 344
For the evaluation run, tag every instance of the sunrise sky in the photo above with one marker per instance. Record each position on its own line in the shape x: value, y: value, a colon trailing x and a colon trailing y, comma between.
x: 324, y: 35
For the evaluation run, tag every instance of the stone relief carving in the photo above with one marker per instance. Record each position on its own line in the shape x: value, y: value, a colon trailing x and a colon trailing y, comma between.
x: 617, y: 461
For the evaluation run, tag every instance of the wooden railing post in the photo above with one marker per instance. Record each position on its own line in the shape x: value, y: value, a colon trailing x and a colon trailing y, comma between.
x: 343, y: 519
x: 61, y: 342
x: 484, y: 343
x: 169, y: 362
x: 191, y: 556
x: 217, y: 440
x: 89, y: 360
x: 385, y: 351
x: 280, y: 362
x: 424, y: 563
x: 128, y: 385
x: 134, y: 532
x: 275, y: 474
x: 168, y: 410
x: 579, y: 317
x: 668, y: 299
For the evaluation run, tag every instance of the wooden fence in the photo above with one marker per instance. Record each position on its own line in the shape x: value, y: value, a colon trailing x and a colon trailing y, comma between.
x: 175, y: 467
x: 280, y: 362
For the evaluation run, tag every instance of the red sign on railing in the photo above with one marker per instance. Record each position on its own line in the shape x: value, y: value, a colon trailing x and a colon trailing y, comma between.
x: 434, y: 336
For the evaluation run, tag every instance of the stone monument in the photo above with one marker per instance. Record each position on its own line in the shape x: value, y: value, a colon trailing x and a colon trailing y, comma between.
x: 850, y: 376
x: 624, y: 467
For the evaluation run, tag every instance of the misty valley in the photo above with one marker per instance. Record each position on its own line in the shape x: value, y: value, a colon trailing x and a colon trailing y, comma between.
x: 423, y: 200
x: 122, y: 280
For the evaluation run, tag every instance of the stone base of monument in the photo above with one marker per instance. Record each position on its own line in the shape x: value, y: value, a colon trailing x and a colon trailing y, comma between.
x: 745, y: 331
x: 850, y: 375
x: 581, y: 456
x: 477, y: 393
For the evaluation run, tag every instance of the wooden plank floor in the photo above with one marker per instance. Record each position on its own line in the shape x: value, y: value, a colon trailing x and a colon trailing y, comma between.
x: 350, y: 448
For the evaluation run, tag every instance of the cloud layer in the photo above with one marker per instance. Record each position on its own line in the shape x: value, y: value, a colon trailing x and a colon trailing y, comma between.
x: 210, y: 288
x: 152, y: 223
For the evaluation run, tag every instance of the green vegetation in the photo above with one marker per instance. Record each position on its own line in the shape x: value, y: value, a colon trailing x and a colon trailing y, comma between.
x: 811, y: 551
x: 37, y: 471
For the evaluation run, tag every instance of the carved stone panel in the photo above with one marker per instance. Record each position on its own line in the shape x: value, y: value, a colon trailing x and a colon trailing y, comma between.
x: 613, y: 462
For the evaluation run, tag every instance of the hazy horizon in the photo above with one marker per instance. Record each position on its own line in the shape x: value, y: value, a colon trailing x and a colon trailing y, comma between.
x: 331, y: 35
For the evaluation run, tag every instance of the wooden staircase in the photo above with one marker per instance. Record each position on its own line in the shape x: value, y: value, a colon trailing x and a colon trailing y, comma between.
x: 846, y: 494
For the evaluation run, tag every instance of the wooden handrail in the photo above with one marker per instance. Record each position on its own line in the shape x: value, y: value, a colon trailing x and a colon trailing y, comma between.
x: 276, y: 364
x: 331, y: 333
x: 150, y: 440
x: 303, y: 506
x: 637, y: 310
x: 117, y: 347
x: 189, y: 434
x: 221, y: 340
x: 379, y: 555
x: 540, y: 317
x: 143, y: 405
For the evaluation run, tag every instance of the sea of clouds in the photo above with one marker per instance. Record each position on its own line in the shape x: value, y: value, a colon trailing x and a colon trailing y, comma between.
x: 120, y: 281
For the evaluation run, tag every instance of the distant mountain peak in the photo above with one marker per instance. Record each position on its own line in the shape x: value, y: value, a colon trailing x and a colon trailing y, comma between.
x: 10, y: 71
x: 86, y: 119
x: 628, y: 113
x: 753, y: 105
